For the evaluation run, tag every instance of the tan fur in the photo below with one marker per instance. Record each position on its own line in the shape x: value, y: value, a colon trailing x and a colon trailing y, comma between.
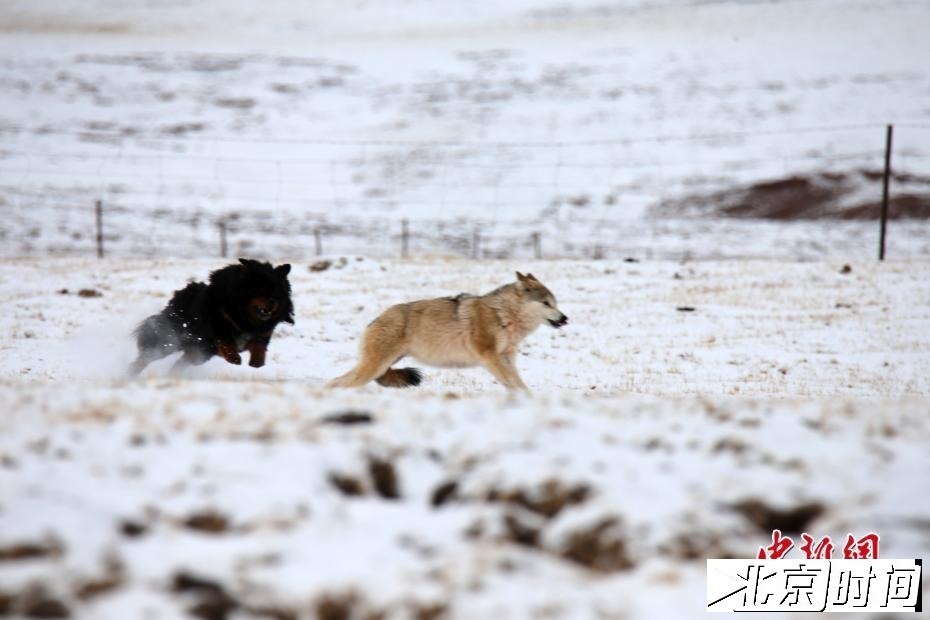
x: 456, y: 332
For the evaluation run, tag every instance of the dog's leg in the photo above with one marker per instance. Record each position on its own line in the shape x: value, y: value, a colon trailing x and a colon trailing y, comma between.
x: 155, y: 339
x: 190, y: 358
x: 146, y: 357
x: 257, y: 348
x: 227, y: 350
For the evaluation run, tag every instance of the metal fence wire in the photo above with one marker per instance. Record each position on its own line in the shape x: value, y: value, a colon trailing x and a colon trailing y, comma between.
x: 648, y: 197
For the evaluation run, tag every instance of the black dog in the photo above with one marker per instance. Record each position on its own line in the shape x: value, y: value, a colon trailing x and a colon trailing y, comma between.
x: 237, y: 310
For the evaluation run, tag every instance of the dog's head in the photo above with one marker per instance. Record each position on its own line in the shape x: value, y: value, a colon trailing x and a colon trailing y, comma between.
x: 541, y: 300
x: 257, y: 294
x: 266, y: 292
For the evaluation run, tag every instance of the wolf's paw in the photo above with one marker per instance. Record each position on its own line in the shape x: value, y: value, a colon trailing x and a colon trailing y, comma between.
x: 256, y: 363
x: 234, y: 358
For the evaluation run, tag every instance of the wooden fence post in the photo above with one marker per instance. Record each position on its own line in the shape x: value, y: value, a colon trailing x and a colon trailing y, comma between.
x: 318, y: 238
x: 537, y: 246
x: 98, y: 208
x: 885, y: 183
x: 404, y: 239
x: 223, y: 246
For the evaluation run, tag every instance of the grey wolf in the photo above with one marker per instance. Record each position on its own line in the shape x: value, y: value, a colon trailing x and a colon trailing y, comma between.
x: 455, y: 332
x: 236, y: 311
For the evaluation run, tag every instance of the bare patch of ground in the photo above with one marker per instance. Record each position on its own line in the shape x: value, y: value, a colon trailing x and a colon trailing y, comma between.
x: 854, y: 195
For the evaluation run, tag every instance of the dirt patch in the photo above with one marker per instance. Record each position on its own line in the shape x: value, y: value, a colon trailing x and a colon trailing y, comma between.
x: 519, y: 530
x: 547, y: 500
x: 384, y: 478
x: 854, y: 195
x: 600, y: 547
x: 349, y: 417
x: 349, y: 486
x: 336, y: 606
x: 445, y: 492
x: 793, y: 520
x: 212, y: 601
x: 31, y: 551
x: 36, y: 601
x: 207, y: 521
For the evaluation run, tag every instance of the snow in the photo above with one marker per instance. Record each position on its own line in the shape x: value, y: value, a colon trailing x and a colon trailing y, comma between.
x: 799, y: 378
x: 571, y: 120
x: 667, y: 419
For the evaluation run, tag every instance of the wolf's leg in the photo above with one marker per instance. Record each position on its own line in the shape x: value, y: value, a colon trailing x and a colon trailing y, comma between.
x: 376, y: 358
x: 504, y: 371
x: 383, y: 344
x: 371, y: 366
x: 510, y: 358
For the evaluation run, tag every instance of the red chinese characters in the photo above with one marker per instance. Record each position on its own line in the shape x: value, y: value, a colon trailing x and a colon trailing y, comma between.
x: 779, y: 547
x: 865, y: 548
x: 823, y: 550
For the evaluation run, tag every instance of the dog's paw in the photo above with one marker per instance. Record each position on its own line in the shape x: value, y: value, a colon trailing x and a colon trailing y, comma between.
x: 235, y: 358
x: 256, y: 363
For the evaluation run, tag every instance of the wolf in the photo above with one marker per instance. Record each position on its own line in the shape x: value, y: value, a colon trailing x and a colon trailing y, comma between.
x: 236, y: 311
x: 455, y: 332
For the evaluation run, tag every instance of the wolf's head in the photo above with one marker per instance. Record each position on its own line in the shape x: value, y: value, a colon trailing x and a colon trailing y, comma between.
x: 540, y: 299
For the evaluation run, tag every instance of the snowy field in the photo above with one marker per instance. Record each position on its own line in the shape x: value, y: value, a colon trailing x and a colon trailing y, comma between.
x: 720, y: 376
x: 573, y: 120
x: 793, y: 396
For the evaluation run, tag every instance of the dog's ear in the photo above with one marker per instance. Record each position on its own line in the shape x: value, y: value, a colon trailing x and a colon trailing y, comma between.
x: 282, y: 270
x: 245, y: 261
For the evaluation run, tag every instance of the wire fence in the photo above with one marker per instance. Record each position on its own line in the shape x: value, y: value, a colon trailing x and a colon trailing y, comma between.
x: 129, y: 194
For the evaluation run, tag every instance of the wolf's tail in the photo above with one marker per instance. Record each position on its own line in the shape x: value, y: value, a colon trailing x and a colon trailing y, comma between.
x: 400, y: 377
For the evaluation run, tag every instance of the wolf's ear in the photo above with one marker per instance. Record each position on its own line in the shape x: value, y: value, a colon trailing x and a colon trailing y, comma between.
x: 245, y: 261
x: 283, y: 270
x: 521, y: 277
x: 530, y: 276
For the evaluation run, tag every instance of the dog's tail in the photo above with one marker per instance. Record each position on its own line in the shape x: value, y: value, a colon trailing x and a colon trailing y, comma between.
x: 400, y: 377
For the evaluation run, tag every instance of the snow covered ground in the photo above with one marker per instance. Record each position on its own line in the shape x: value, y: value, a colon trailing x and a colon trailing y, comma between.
x: 689, y: 407
x: 793, y: 394
x: 573, y: 120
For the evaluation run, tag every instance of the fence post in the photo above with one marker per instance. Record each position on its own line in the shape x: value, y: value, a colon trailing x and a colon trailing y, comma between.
x: 98, y: 210
x: 476, y: 244
x: 223, y: 247
x: 318, y: 238
x: 404, y: 239
x: 885, y: 183
x: 537, y: 246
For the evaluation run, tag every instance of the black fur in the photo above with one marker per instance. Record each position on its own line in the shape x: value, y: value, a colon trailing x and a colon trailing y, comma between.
x: 237, y: 310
